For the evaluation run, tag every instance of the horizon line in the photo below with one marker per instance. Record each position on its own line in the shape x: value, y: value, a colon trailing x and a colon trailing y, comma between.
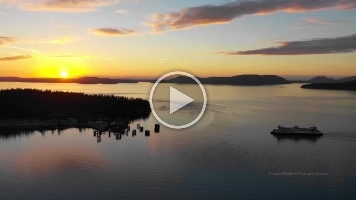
x: 288, y: 77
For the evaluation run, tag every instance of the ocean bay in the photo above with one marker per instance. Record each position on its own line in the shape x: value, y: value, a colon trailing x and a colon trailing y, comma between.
x: 229, y: 149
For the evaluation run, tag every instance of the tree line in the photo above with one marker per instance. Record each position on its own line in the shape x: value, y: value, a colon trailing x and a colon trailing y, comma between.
x: 47, y: 104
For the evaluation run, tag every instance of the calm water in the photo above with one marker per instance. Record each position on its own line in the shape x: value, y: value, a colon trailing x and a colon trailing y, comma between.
x: 229, y: 154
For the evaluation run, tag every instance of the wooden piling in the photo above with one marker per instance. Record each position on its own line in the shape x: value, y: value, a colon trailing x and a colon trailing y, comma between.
x: 98, y: 139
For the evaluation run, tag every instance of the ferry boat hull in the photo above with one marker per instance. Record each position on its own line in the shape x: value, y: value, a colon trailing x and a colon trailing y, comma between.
x: 285, y: 133
x: 312, y: 131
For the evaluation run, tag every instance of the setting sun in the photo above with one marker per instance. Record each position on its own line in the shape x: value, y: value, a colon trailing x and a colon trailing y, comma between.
x: 64, y: 74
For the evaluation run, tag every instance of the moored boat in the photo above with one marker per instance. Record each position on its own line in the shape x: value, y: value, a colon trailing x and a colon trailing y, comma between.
x: 296, y: 130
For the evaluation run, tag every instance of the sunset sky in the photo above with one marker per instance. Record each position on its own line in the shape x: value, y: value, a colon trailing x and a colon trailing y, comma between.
x: 147, y: 38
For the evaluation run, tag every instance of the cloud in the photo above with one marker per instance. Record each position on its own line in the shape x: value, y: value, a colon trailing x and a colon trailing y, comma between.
x: 7, y: 40
x: 60, y: 40
x: 225, y: 13
x: 14, y: 58
x: 80, y: 56
x: 314, y: 23
x: 114, y: 32
x: 326, y: 22
x: 68, y: 56
x: 345, y: 44
x: 270, y: 40
x: 63, y: 40
x: 64, y: 26
x: 24, y: 49
x: 75, y: 56
x: 60, y: 5
x: 121, y: 11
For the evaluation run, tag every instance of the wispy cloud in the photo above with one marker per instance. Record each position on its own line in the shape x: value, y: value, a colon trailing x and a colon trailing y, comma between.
x: 7, y: 40
x: 25, y: 49
x: 64, y: 26
x: 60, y: 40
x: 315, y: 23
x: 270, y: 40
x: 114, y: 32
x: 44, y: 56
x: 15, y: 58
x: 60, y: 5
x: 346, y: 44
x: 75, y: 56
x: 121, y: 11
x: 225, y: 13
x: 327, y: 22
x: 63, y: 40
x: 163, y: 60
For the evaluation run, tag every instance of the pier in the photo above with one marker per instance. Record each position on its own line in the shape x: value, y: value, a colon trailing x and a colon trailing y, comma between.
x: 13, y: 126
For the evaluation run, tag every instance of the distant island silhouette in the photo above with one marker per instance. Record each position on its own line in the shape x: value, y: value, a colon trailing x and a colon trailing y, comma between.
x: 323, y: 79
x: 248, y: 80
x: 351, y: 85
x: 234, y: 80
x: 23, y: 109
x: 244, y: 80
x: 82, y: 80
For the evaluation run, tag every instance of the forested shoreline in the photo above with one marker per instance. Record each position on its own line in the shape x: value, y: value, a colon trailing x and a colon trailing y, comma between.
x: 38, y: 104
x: 37, y: 110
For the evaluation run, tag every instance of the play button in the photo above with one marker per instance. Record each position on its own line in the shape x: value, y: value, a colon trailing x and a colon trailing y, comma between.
x: 177, y: 100
x: 187, y: 102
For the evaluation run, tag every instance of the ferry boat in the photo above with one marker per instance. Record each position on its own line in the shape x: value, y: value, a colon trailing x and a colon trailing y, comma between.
x: 312, y: 131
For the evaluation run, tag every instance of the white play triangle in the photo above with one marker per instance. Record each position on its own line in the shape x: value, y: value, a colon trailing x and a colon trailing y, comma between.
x: 177, y: 100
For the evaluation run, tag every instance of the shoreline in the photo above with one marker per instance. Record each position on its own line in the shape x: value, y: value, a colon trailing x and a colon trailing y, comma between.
x: 348, y: 86
x: 15, y: 126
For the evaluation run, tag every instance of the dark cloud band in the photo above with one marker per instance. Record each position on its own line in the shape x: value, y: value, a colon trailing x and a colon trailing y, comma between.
x: 219, y: 14
x: 345, y: 44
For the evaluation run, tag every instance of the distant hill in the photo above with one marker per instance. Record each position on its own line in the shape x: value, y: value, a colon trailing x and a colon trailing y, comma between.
x: 322, y: 79
x: 346, y: 79
x: 83, y: 80
x: 351, y: 85
x: 181, y: 80
x: 235, y: 80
